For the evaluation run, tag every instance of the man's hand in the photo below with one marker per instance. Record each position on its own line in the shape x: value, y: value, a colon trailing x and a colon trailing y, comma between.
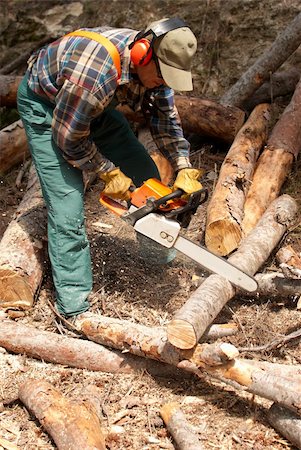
x: 187, y: 180
x: 116, y: 184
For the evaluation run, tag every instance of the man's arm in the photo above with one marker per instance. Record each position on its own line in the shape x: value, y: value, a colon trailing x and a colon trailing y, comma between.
x: 166, y: 128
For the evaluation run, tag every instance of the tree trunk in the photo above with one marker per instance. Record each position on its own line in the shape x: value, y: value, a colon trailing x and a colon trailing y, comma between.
x: 284, y: 45
x: 218, y: 360
x: 178, y: 426
x: 165, y: 169
x: 286, y: 423
x: 71, y: 425
x: 21, y: 250
x: 190, y: 322
x: 225, y: 209
x: 8, y: 90
x: 208, y: 118
x: 280, y: 84
x: 57, y: 349
x: 282, y: 370
x: 282, y: 148
x: 14, y: 147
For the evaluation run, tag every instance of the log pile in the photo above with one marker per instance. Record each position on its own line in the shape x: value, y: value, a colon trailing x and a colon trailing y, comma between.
x: 246, y: 220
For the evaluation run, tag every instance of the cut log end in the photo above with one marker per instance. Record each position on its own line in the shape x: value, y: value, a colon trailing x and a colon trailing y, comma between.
x: 223, y: 236
x: 181, y: 334
x: 15, y: 291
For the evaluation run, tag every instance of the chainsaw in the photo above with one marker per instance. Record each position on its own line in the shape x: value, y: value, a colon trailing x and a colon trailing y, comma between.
x: 159, y: 213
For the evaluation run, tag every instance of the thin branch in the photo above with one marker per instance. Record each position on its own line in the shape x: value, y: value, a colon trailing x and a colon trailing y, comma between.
x: 276, y: 343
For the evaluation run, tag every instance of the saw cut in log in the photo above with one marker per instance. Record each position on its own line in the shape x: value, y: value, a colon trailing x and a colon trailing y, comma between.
x: 284, y: 45
x: 21, y: 250
x: 190, y: 322
x: 83, y: 354
x: 178, y: 426
x: 225, y: 209
x: 8, y: 89
x: 14, y: 147
x: 72, y: 425
x: 165, y: 169
x: 286, y: 423
x: 275, y: 162
x: 280, y: 84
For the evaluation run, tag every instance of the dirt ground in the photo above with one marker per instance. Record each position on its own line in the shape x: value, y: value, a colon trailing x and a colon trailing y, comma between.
x: 231, y: 35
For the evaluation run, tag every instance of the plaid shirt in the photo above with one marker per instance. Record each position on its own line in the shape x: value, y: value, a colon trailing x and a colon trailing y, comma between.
x: 78, y: 77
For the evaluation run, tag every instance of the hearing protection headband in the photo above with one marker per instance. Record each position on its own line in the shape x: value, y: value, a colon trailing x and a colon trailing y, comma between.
x: 160, y: 29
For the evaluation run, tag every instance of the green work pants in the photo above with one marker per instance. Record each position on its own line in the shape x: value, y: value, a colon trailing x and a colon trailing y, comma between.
x: 62, y: 187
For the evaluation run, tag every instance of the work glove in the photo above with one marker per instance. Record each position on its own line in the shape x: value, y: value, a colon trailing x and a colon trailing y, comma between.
x: 116, y: 184
x: 187, y: 180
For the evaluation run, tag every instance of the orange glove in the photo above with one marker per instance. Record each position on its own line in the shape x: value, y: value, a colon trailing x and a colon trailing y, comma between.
x: 116, y: 184
x: 187, y: 180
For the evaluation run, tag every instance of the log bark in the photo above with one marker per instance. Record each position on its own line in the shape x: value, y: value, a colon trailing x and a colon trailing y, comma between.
x: 282, y: 149
x: 57, y: 349
x: 289, y: 262
x: 8, y: 90
x: 225, y: 209
x: 165, y: 168
x: 14, y: 147
x: 292, y: 371
x: 280, y: 84
x: 219, y: 361
x: 271, y: 284
x: 178, y: 426
x: 209, y: 118
x: 284, y: 45
x: 21, y: 250
x: 286, y: 423
x: 71, y: 425
x: 190, y: 322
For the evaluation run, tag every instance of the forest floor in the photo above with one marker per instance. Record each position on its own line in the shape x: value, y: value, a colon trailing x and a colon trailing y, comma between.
x: 126, y: 286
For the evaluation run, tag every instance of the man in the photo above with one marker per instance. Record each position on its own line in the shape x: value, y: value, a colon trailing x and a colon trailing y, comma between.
x: 67, y: 103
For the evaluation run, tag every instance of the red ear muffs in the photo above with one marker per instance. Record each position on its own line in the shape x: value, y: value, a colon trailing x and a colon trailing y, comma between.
x: 141, y: 52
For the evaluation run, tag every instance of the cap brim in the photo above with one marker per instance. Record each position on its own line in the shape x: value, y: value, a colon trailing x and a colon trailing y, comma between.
x: 177, y: 79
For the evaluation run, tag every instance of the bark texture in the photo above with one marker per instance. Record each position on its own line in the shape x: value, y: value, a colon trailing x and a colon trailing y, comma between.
x: 178, y: 426
x: 57, y: 349
x: 21, y: 250
x: 280, y: 84
x: 286, y: 423
x: 226, y: 207
x: 14, y: 147
x: 284, y: 45
x: 200, y: 310
x: 71, y: 425
x: 8, y: 90
x: 282, y: 149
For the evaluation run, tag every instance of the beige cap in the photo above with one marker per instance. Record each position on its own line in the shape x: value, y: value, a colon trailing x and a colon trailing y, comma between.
x: 175, y: 51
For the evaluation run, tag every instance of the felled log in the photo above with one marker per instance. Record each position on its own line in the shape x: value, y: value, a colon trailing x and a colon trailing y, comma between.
x: 13, y: 144
x: 218, y: 360
x: 165, y: 169
x: 283, y: 370
x: 21, y: 250
x: 209, y: 118
x: 225, y: 209
x: 178, y: 426
x: 284, y: 45
x: 83, y: 354
x: 280, y: 84
x: 275, y: 162
x: 286, y: 423
x: 72, y: 425
x: 270, y: 284
x: 190, y: 322
x: 8, y: 89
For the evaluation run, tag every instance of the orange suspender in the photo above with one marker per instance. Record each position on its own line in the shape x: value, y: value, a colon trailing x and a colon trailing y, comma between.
x: 113, y: 52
